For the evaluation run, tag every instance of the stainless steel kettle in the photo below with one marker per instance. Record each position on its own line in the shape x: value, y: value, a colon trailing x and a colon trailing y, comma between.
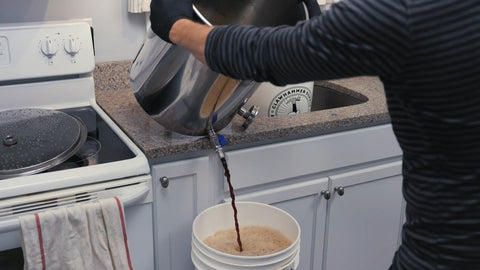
x: 186, y: 96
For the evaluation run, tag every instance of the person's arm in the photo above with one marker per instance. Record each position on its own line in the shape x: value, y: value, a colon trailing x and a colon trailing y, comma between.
x: 190, y: 35
x: 353, y: 38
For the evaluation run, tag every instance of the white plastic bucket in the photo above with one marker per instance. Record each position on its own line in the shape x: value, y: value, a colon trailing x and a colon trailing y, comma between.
x: 220, y: 217
x: 274, y: 100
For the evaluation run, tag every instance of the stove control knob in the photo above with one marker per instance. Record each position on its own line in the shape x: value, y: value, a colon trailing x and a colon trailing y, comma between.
x: 49, y: 48
x: 71, y: 46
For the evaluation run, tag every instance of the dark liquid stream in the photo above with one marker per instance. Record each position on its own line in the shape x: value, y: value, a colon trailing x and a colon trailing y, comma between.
x: 232, y: 196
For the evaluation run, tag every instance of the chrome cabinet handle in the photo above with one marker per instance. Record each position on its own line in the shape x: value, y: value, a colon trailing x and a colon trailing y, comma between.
x: 340, y: 190
x: 326, y: 194
x: 164, y: 181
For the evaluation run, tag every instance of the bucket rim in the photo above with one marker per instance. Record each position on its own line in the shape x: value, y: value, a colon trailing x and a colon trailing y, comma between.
x: 196, y: 256
x: 245, y: 263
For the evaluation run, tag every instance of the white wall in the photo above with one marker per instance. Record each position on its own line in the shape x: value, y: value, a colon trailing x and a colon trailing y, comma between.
x: 118, y: 34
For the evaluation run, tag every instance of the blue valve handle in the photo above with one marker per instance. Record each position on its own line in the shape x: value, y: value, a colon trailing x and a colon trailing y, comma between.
x: 222, y: 140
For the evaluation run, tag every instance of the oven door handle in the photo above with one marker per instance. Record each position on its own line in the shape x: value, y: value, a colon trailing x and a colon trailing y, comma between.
x: 134, y: 195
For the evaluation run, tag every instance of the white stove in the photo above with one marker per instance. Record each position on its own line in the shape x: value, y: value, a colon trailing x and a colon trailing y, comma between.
x: 49, y: 66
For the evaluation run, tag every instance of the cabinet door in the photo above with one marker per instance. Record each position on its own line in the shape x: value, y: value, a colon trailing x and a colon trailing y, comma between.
x: 175, y: 208
x: 305, y: 203
x: 363, y: 223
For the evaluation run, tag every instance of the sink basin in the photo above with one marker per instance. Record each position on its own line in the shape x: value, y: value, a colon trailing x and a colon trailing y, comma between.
x: 327, y: 96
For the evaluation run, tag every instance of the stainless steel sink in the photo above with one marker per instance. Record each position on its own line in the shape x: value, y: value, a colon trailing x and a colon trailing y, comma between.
x: 327, y: 96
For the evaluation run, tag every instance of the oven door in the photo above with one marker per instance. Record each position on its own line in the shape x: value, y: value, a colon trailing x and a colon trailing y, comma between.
x: 133, y: 192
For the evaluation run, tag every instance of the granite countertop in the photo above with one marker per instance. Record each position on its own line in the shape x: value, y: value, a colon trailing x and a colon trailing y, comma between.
x: 114, y: 95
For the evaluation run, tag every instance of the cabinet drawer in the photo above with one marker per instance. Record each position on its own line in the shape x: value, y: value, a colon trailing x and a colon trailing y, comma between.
x: 265, y: 164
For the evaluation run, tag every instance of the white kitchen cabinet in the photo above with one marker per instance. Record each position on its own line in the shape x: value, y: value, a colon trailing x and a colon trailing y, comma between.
x: 364, y: 218
x: 358, y: 230
x: 362, y: 226
x: 175, y: 208
x: 304, y: 202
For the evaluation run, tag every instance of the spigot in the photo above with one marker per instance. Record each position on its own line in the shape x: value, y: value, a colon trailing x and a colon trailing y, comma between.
x: 248, y: 115
x: 216, y: 143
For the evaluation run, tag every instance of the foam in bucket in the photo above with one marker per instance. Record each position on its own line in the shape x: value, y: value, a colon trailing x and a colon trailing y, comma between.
x: 257, y: 241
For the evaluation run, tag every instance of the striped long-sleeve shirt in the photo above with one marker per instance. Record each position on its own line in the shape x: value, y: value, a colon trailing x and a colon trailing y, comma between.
x: 427, y: 54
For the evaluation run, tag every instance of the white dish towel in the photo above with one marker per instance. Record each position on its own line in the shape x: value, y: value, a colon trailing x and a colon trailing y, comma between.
x: 90, y: 236
x: 138, y: 6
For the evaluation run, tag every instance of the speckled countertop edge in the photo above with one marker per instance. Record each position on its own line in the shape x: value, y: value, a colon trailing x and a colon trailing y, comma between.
x: 115, y: 97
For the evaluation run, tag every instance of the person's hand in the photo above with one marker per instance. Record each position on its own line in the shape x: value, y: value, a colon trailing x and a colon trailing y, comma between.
x: 164, y: 13
x: 313, y: 8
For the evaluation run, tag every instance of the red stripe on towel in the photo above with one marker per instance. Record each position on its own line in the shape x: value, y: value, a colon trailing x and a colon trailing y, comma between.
x: 124, y: 232
x: 40, y: 240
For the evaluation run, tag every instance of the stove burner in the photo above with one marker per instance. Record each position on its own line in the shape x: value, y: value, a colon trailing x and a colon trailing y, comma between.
x: 102, y: 145
x: 88, y: 153
x: 86, y: 156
